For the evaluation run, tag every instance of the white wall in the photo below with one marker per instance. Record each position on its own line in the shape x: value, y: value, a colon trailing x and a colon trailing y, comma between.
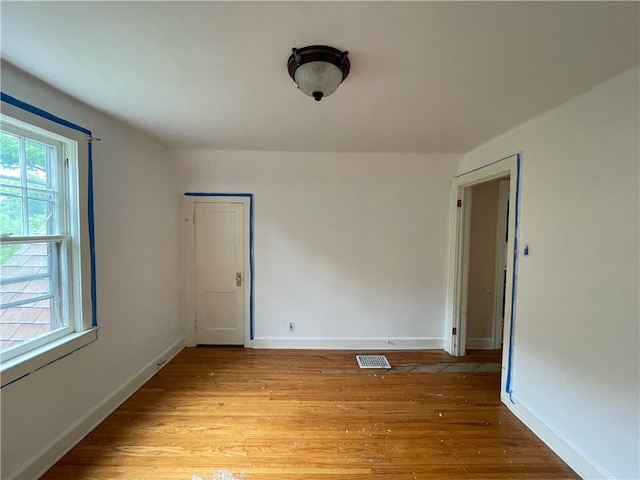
x: 352, y: 247
x: 139, y: 289
x: 576, y: 345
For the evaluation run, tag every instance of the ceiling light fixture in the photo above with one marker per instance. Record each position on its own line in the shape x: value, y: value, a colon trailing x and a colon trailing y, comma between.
x: 318, y: 70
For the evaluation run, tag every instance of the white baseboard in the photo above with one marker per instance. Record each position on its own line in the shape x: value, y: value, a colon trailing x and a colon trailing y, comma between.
x: 39, y: 463
x: 583, y: 465
x: 424, y: 343
x: 479, y: 343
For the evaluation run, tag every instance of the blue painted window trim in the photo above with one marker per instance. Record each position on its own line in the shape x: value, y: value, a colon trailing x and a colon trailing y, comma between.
x: 90, y: 224
x: 250, y: 197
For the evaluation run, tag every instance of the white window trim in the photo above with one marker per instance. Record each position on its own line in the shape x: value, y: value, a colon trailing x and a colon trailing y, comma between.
x: 85, y: 324
x: 66, y: 225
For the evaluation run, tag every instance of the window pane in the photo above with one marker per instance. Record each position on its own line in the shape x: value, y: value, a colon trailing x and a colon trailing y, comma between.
x: 28, y: 322
x: 37, y: 160
x: 40, y: 217
x: 30, y: 301
x: 10, y: 213
x: 10, y: 155
x: 28, y: 192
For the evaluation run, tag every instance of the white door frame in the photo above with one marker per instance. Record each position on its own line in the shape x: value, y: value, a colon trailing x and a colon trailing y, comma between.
x: 188, y: 208
x: 458, y: 258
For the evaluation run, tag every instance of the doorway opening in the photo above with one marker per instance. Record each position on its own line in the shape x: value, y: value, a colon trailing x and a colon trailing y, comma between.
x: 488, y: 234
x: 483, y: 256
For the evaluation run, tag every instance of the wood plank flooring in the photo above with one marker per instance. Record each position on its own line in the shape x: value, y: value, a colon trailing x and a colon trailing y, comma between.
x: 311, y: 415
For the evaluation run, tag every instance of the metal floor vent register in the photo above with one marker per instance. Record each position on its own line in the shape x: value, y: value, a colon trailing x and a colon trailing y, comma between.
x: 373, y: 361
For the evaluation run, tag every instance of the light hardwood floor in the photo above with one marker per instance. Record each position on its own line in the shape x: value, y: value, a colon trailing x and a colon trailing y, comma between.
x: 312, y: 415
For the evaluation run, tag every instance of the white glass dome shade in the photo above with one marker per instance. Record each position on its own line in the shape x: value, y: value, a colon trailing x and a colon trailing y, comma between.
x: 318, y: 70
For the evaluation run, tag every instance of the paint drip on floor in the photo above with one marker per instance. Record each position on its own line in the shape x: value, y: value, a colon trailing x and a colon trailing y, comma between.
x: 222, y: 475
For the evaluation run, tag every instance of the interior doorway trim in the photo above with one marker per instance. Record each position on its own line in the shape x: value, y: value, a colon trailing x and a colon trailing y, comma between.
x: 190, y: 198
x: 455, y: 320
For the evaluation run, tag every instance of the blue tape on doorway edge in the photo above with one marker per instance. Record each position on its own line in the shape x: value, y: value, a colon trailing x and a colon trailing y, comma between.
x: 90, y: 221
x: 508, y: 387
x: 250, y: 197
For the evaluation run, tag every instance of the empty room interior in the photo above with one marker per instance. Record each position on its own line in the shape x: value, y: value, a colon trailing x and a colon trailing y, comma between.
x: 214, y: 214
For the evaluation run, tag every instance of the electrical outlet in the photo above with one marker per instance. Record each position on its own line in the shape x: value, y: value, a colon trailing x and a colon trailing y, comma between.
x: 292, y: 326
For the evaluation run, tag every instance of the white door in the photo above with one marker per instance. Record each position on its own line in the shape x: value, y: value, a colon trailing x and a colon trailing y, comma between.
x: 219, y: 273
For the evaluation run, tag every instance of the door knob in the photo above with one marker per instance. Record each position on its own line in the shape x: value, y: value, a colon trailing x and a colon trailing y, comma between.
x: 239, y: 279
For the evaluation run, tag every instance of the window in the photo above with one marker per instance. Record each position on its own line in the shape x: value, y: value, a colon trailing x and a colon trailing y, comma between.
x: 46, y: 277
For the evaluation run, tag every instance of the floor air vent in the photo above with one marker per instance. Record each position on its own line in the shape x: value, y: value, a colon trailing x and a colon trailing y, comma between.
x: 373, y: 361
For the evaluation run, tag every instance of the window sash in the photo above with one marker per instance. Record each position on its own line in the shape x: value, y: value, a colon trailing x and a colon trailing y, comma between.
x: 29, y: 190
x: 60, y: 291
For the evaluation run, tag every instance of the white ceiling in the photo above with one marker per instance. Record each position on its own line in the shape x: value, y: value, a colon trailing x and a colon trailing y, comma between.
x: 425, y: 76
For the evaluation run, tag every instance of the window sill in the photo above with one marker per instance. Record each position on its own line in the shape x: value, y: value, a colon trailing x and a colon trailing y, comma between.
x: 23, y: 365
